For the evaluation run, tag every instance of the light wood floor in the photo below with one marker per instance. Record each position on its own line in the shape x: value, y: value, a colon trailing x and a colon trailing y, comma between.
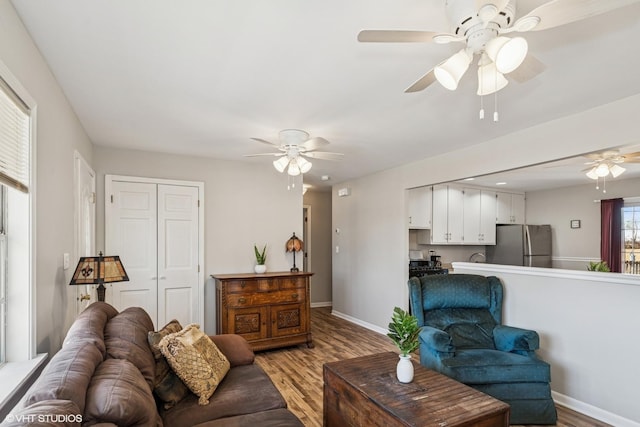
x: 297, y: 371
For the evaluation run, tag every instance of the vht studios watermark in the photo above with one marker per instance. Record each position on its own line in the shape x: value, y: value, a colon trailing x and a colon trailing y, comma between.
x: 44, y: 418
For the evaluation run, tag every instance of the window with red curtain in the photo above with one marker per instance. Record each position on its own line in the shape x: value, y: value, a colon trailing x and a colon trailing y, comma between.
x: 611, y: 233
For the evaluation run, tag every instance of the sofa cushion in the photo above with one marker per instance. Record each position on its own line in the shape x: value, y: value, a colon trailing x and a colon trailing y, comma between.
x: 167, y: 386
x: 236, y: 349
x: 196, y: 359
x: 244, y: 390
x: 273, y: 418
x: 119, y: 394
x: 67, y: 375
x: 126, y: 338
x: 89, y: 326
x: 46, y: 413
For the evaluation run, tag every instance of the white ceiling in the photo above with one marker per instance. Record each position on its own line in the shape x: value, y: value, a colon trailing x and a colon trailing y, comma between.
x: 200, y: 77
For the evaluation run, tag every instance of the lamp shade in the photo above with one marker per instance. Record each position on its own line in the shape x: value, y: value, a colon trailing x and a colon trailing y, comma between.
x: 490, y: 80
x: 99, y: 270
x: 592, y: 173
x: 451, y: 71
x: 507, y: 53
x: 304, y: 164
x: 294, y: 169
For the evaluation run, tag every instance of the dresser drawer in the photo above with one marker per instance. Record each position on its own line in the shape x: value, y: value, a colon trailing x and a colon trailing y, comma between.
x: 265, y: 298
x: 254, y: 285
x: 292, y: 282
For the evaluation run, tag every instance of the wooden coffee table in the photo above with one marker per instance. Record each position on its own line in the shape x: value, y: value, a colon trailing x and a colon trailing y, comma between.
x: 365, y: 392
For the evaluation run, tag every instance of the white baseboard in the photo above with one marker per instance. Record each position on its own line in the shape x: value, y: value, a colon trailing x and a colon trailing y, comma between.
x: 593, y: 411
x: 369, y: 326
x: 321, y: 304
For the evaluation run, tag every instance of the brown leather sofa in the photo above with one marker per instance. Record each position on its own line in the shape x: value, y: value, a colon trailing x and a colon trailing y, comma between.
x: 104, y: 376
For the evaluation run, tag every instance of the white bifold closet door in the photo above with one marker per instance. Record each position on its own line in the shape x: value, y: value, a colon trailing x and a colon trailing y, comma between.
x: 154, y: 230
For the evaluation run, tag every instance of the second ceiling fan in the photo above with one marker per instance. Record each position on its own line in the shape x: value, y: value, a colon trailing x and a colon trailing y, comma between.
x: 481, y: 25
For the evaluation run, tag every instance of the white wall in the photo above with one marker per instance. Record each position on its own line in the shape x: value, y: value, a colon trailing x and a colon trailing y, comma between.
x: 58, y: 134
x: 574, y: 248
x: 369, y: 273
x: 245, y: 204
x: 593, y: 349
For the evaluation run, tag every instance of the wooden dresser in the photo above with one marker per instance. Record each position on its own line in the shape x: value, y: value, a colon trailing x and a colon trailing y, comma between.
x: 269, y: 310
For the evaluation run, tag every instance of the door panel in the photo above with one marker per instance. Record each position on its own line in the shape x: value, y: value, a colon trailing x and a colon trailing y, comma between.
x: 177, y: 254
x: 132, y: 234
x: 85, y: 213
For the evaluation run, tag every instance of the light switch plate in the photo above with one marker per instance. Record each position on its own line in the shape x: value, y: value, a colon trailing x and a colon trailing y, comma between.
x: 65, y: 261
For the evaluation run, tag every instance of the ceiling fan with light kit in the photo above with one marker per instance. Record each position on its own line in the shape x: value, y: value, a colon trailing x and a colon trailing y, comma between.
x: 481, y: 26
x: 293, y: 150
x: 601, y: 165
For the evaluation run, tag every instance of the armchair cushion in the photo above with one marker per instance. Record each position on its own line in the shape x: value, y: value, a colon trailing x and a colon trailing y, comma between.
x: 437, y: 341
x: 468, y: 327
x: 508, y: 338
x: 481, y: 366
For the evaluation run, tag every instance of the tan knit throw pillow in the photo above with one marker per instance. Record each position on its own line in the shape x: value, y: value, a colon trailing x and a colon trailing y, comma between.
x: 196, y: 360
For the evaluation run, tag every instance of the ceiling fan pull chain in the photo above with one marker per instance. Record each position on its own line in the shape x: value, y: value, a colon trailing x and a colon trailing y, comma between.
x: 481, y: 94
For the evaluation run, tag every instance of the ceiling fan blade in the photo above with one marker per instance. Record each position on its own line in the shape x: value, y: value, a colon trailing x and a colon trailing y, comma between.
x: 314, y: 143
x: 323, y: 155
x: 422, y: 83
x: 263, y: 154
x: 559, y: 12
x: 395, y: 36
x: 530, y: 68
x: 264, y: 141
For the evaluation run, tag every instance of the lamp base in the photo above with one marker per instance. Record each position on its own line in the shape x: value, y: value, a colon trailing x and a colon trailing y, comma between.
x: 295, y: 270
x: 101, y: 290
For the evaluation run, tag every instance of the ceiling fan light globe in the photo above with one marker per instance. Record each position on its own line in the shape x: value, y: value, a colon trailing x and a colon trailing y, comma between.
x: 281, y: 163
x: 294, y: 169
x: 304, y: 165
x: 616, y: 170
x: 449, y: 72
x: 592, y: 174
x: 490, y: 80
x: 602, y: 170
x: 507, y: 53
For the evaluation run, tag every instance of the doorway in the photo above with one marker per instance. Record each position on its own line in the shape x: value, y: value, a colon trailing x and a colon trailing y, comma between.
x: 84, y: 183
x: 306, y: 238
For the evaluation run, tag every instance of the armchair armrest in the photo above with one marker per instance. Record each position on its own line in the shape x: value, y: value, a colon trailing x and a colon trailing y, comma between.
x: 516, y: 340
x: 437, y: 341
x: 235, y: 347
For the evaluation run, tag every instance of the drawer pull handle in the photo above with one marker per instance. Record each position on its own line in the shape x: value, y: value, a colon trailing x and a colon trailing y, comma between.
x: 242, y: 300
x: 242, y: 285
x: 294, y: 296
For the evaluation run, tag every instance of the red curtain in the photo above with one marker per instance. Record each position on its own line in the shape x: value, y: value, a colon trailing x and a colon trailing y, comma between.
x: 611, y: 233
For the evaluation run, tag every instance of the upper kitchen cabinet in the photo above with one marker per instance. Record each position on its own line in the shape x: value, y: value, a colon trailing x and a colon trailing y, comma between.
x: 420, y: 207
x: 510, y: 208
x: 447, y: 223
x: 479, y: 212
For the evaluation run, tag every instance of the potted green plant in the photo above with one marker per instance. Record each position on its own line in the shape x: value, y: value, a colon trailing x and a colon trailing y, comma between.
x: 261, y: 258
x: 598, y: 266
x: 403, y: 331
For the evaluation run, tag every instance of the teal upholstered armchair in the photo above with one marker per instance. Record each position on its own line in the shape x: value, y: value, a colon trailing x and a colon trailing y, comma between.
x: 463, y: 337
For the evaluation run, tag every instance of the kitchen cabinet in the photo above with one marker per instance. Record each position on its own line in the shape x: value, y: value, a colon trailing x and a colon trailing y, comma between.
x: 510, y: 208
x: 420, y: 207
x: 479, y: 222
x: 269, y: 310
x: 447, y: 220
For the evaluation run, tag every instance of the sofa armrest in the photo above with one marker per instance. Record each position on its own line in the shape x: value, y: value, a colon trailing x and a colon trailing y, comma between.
x: 235, y: 348
x: 516, y: 340
x: 437, y: 341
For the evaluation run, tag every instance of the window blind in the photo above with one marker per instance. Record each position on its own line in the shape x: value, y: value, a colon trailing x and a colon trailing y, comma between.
x: 14, y: 140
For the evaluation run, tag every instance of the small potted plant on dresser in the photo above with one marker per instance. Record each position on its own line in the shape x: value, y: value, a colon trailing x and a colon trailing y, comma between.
x: 403, y: 331
x: 261, y: 258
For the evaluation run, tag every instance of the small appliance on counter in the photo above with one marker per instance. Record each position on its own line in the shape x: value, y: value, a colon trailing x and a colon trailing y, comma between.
x: 419, y: 267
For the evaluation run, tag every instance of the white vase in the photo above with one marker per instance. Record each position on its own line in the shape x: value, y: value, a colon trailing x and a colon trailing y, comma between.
x: 260, y: 268
x: 404, y: 370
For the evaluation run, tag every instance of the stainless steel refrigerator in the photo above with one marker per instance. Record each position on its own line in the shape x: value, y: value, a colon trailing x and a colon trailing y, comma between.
x: 526, y: 245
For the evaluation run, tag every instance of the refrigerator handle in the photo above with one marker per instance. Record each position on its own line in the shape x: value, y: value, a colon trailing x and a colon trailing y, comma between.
x: 528, y: 240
